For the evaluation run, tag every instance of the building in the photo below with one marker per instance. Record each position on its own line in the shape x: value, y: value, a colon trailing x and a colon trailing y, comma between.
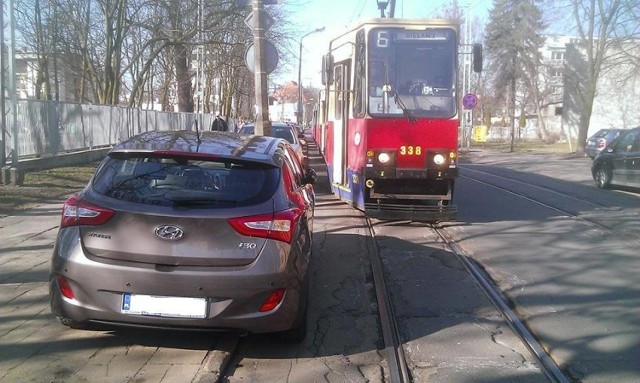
x: 62, y: 78
x: 618, y: 89
x: 617, y: 101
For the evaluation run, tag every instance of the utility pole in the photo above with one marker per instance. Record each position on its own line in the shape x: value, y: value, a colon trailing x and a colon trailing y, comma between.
x: 16, y: 176
x: 200, y: 73
x: 392, y: 9
x: 263, y: 124
x: 467, y: 114
x: 3, y: 121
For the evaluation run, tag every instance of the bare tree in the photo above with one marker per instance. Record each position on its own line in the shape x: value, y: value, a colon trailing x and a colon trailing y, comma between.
x: 136, y: 51
x: 604, y: 28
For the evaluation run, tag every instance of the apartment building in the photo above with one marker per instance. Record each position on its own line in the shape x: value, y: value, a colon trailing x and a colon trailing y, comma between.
x: 617, y: 101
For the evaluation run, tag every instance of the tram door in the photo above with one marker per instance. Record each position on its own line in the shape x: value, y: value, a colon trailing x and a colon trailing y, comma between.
x: 341, y: 99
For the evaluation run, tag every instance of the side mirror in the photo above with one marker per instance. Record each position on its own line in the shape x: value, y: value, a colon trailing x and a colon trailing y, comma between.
x: 477, y: 58
x: 310, y: 176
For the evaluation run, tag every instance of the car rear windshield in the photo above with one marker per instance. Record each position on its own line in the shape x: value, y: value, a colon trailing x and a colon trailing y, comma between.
x: 182, y: 181
x: 283, y: 132
x: 601, y: 133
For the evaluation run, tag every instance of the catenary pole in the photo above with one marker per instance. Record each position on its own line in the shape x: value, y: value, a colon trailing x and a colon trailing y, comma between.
x: 12, y: 85
x: 3, y: 120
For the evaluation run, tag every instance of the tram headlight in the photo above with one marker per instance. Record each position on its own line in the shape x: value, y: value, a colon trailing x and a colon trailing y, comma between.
x: 384, y: 158
x: 439, y: 159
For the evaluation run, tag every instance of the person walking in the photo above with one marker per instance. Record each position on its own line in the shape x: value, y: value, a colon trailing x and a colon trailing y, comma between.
x: 219, y: 124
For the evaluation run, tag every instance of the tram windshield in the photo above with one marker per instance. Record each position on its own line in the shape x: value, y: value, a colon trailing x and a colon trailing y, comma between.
x: 412, y: 72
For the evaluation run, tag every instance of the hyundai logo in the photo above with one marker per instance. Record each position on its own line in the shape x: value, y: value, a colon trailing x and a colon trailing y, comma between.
x: 169, y: 232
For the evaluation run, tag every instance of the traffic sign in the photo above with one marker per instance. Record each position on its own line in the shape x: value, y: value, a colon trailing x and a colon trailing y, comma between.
x: 270, y: 57
x: 246, y: 3
x: 469, y: 101
x: 267, y: 21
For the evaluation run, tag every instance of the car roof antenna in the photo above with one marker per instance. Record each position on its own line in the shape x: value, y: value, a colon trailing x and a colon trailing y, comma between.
x: 197, y: 131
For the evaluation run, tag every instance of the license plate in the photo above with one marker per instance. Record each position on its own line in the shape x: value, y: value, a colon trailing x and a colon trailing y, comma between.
x: 176, y: 307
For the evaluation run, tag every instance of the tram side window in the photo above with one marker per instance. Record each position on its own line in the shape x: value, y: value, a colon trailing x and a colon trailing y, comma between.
x: 359, y: 75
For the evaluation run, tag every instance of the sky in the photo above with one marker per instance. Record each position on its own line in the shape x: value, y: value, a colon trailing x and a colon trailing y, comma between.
x: 336, y: 15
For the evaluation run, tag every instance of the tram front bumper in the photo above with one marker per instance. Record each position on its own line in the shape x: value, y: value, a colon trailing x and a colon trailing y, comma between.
x: 422, y: 195
x: 429, y: 174
x: 410, y: 212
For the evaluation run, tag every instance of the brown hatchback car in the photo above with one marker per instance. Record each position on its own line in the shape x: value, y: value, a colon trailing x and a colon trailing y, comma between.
x: 187, y: 230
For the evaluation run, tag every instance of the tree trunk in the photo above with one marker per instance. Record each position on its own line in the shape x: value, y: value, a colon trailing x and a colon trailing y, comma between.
x: 183, y: 79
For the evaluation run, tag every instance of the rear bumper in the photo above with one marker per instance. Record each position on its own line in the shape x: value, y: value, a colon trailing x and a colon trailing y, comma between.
x: 233, y: 294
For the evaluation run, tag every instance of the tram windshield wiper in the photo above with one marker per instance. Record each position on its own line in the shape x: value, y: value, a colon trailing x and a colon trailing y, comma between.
x: 406, y: 111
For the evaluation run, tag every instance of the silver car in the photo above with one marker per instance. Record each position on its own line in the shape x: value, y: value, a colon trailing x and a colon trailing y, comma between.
x: 286, y: 131
x: 176, y: 229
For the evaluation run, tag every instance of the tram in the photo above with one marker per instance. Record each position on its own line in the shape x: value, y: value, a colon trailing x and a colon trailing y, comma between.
x: 387, y: 117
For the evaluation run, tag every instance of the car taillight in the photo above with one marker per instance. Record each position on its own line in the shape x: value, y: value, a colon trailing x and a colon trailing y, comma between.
x: 279, y: 226
x: 65, y: 287
x: 273, y: 301
x: 77, y: 211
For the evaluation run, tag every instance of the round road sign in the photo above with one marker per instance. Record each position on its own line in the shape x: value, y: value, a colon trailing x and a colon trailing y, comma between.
x: 270, y: 56
x: 469, y: 101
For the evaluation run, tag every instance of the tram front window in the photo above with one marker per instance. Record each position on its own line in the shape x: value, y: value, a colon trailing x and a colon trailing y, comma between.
x: 413, y: 70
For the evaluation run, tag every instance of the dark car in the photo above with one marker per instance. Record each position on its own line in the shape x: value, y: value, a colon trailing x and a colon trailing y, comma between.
x: 179, y: 230
x: 619, y: 162
x: 600, y: 140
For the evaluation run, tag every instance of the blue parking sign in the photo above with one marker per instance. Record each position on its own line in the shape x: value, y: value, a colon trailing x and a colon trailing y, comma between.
x: 469, y: 101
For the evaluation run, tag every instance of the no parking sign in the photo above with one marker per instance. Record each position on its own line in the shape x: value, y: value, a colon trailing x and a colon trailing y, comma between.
x: 469, y: 101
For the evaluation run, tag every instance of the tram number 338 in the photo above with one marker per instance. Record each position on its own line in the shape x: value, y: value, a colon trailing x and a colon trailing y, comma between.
x: 410, y: 150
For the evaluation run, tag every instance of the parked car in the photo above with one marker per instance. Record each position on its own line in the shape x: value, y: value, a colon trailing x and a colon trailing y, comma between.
x: 600, y: 140
x: 286, y: 131
x: 619, y: 162
x: 176, y: 229
x: 298, y: 129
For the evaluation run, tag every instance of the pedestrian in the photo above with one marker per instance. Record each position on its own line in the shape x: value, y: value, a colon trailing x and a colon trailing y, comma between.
x: 219, y: 124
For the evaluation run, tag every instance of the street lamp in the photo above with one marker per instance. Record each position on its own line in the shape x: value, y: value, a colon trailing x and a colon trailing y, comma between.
x: 299, y: 114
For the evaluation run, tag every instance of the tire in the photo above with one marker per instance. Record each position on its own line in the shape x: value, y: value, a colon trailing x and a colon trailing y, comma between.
x: 602, y: 177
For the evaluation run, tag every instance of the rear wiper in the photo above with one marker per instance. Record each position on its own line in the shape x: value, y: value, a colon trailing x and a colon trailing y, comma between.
x: 201, y: 201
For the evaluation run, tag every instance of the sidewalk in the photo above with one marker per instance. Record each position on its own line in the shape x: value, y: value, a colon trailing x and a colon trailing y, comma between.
x: 35, y: 347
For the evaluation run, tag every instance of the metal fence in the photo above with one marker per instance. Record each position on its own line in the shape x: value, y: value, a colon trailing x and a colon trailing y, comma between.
x: 50, y: 127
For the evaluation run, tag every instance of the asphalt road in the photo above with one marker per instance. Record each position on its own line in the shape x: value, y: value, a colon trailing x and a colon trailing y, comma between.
x: 574, y: 282
x: 569, y: 265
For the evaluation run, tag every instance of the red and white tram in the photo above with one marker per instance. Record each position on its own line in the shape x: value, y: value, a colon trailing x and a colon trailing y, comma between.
x: 387, y: 121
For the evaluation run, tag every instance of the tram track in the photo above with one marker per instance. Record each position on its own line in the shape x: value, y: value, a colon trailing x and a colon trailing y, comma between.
x: 531, y: 185
x: 398, y: 370
x: 398, y: 367
x: 581, y: 217
x: 547, y: 364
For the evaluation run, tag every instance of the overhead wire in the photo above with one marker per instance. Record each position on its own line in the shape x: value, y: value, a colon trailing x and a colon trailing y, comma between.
x: 360, y: 6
